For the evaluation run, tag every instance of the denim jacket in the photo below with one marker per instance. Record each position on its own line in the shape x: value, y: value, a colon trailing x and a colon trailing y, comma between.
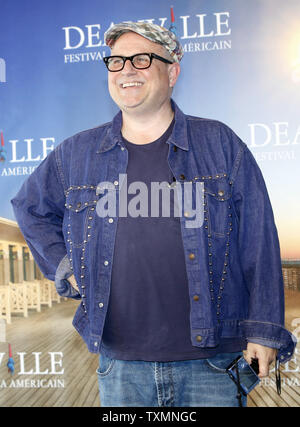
x: 233, y: 260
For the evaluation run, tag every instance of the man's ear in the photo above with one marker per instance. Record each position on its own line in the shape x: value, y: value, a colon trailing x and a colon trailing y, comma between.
x: 174, y: 71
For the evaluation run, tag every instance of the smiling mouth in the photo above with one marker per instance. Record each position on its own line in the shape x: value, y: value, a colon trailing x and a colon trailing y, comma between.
x: 131, y: 84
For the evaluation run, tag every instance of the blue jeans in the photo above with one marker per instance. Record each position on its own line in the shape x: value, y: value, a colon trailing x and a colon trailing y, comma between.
x: 201, y: 382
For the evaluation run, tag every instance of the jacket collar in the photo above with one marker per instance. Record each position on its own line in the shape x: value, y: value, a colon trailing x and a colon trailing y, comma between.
x: 178, y: 136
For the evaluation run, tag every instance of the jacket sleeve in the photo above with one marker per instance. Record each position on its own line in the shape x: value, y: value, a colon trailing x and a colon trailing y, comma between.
x: 39, y: 210
x: 259, y: 253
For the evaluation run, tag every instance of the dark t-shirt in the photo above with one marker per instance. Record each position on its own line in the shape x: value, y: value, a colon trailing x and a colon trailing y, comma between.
x: 149, y: 307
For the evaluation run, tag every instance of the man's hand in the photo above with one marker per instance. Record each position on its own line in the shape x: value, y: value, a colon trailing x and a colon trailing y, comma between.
x: 72, y: 280
x: 265, y: 356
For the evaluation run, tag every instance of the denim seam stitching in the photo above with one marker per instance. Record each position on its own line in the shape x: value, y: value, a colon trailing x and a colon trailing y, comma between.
x: 264, y: 339
x: 171, y: 385
x: 261, y: 321
x: 236, y: 164
x: 108, y: 370
x: 158, y: 384
x: 214, y: 367
x: 59, y: 169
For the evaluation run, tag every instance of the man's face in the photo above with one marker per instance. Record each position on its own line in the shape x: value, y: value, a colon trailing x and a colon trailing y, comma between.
x: 154, y: 84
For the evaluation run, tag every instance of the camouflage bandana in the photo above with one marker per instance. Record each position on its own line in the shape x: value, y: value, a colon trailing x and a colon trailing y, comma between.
x: 152, y: 32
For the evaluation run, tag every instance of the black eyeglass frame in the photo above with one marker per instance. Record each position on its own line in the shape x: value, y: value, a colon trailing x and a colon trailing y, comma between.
x: 130, y: 58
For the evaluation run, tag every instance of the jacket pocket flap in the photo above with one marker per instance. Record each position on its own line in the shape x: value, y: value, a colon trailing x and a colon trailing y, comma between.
x: 78, y: 200
x: 219, y: 189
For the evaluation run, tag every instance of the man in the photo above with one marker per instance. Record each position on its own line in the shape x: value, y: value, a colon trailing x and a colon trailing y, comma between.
x: 167, y: 303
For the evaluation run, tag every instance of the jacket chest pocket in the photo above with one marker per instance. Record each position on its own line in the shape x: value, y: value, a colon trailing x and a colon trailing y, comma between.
x: 217, y: 212
x: 80, y: 214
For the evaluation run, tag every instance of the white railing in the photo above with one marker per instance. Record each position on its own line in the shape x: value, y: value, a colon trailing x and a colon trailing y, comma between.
x: 16, y: 298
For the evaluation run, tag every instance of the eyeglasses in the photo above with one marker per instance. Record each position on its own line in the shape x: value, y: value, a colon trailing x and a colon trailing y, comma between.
x: 141, y: 61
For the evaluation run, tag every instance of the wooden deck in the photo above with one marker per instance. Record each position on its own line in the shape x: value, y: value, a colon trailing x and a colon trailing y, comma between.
x: 51, y: 331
